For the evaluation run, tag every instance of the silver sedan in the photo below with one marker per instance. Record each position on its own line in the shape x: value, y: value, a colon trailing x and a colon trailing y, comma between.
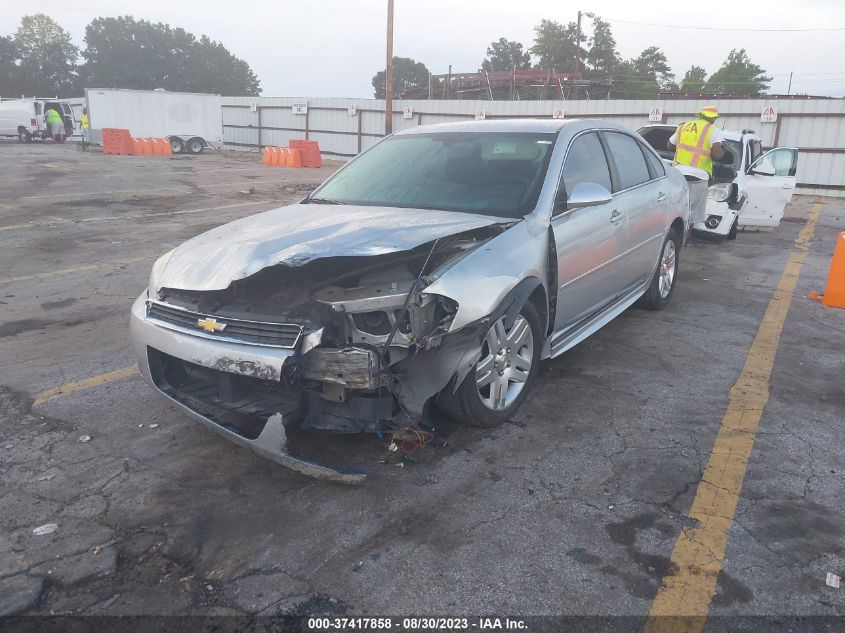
x: 438, y: 268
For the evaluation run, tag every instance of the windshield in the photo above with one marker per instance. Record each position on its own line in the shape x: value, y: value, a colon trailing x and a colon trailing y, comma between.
x: 489, y: 173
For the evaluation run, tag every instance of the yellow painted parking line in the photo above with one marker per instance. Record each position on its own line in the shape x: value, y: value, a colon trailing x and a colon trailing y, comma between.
x: 87, y: 383
x: 700, y: 550
x: 76, y: 269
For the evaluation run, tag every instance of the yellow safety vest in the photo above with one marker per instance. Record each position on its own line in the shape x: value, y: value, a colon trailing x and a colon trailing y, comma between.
x: 693, y: 145
x: 83, y: 121
x: 53, y: 116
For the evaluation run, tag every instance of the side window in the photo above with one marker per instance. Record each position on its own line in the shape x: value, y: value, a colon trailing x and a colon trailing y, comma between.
x: 585, y: 162
x: 629, y: 159
x: 655, y: 165
x: 782, y: 161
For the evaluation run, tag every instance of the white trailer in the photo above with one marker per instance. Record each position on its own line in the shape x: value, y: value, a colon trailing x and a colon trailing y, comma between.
x: 192, y: 121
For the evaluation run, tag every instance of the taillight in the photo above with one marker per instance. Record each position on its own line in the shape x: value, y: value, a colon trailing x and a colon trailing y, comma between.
x: 33, y: 122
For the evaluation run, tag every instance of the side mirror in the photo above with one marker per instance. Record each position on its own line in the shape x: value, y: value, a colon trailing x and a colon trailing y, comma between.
x: 588, y: 194
x: 763, y: 170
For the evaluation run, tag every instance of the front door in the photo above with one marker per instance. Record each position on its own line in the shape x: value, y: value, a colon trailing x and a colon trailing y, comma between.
x: 589, y: 240
x: 769, y: 185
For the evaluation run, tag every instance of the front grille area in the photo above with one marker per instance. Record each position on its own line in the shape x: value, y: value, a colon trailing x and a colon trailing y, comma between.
x: 263, y: 333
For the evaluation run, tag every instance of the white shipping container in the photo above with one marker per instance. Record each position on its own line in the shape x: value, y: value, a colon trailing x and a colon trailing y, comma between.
x: 158, y: 113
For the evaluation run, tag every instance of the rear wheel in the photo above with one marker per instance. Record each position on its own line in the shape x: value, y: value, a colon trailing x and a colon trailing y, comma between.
x: 498, y: 384
x: 663, y: 283
x: 177, y: 145
x: 24, y: 136
x: 196, y: 145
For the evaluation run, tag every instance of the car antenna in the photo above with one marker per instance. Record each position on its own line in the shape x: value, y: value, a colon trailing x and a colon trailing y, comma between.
x: 404, y: 308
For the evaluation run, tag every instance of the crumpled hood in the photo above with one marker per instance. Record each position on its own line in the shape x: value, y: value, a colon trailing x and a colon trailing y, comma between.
x: 299, y: 233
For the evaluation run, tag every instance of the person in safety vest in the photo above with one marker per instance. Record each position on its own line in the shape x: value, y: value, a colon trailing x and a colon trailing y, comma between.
x: 83, y: 124
x: 57, y: 126
x: 698, y: 143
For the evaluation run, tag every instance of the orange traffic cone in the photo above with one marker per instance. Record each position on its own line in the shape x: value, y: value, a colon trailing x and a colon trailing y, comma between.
x: 295, y: 158
x: 136, y: 146
x: 283, y: 157
x: 834, y: 291
x: 267, y: 157
x: 165, y: 147
x: 147, y: 146
x: 157, y: 148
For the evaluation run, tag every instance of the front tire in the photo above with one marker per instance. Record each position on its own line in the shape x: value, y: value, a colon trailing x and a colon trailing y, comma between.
x: 500, y: 381
x: 663, y: 283
x: 24, y: 136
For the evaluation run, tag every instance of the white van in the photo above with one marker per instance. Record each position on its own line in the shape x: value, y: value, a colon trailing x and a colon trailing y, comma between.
x: 24, y: 118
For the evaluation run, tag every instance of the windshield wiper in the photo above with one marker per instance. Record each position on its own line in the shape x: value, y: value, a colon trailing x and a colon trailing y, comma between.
x: 321, y: 201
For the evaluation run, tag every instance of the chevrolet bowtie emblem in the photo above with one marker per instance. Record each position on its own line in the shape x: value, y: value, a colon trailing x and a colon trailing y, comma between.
x: 210, y: 325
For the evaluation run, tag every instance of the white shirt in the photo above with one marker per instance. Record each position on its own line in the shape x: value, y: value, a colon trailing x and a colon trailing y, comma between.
x: 716, y: 136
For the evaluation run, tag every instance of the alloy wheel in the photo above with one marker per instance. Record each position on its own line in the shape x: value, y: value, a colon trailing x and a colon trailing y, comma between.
x: 667, y: 269
x: 506, y: 359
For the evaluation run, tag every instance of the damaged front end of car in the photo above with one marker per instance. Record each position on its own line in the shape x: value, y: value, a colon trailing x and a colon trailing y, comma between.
x: 334, y: 344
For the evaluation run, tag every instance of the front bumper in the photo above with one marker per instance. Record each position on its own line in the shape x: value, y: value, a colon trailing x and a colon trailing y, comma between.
x: 718, y: 220
x: 151, y: 341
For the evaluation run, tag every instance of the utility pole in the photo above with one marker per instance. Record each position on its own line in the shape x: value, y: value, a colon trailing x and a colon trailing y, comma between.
x: 578, y: 46
x: 588, y: 14
x: 789, y: 90
x: 388, y: 73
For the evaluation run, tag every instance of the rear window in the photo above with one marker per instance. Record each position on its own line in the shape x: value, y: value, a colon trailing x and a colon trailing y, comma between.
x: 655, y: 165
x: 629, y: 159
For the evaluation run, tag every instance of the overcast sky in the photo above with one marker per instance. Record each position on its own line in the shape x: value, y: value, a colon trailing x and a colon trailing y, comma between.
x: 332, y: 48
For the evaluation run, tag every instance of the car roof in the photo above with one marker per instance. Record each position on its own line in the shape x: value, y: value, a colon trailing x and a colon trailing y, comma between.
x: 733, y: 135
x: 528, y: 126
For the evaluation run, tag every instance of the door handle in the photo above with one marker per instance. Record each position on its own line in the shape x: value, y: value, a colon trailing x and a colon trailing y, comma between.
x: 616, y: 216
x: 661, y: 196
x: 786, y: 185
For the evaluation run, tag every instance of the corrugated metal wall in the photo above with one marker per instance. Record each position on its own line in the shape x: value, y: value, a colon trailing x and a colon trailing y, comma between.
x: 815, y: 126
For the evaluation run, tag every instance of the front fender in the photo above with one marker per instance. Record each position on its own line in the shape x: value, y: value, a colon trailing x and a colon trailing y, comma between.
x: 480, y: 282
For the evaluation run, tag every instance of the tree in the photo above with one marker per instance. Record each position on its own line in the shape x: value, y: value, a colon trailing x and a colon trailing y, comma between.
x: 694, y: 80
x: 601, y: 57
x: 557, y: 46
x: 407, y: 73
x: 652, y: 63
x: 643, y: 76
x: 127, y: 53
x: 739, y: 76
x: 505, y: 54
x: 40, y: 59
x: 8, y: 67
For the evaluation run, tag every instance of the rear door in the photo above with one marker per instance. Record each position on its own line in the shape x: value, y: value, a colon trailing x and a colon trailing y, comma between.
x: 589, y: 240
x: 67, y: 115
x: 767, y: 194
x: 642, y: 186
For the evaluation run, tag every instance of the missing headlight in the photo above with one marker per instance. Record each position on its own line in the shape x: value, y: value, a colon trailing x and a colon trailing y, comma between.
x: 376, y: 322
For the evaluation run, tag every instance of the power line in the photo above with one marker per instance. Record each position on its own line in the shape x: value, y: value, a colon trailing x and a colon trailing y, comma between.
x: 717, y: 28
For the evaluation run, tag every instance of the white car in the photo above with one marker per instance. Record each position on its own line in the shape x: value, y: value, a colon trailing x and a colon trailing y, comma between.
x: 750, y: 188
